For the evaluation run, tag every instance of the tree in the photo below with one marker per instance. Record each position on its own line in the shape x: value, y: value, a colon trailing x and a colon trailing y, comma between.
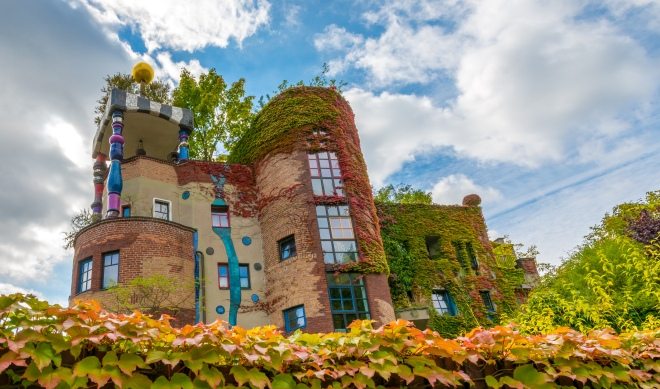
x: 609, y: 281
x: 402, y: 194
x: 157, y: 90
x: 79, y: 221
x: 221, y: 113
x: 154, y: 295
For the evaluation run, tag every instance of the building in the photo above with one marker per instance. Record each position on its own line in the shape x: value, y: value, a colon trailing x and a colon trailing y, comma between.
x: 285, y: 233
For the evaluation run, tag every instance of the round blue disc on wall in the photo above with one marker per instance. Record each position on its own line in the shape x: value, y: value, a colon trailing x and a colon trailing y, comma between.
x: 220, y: 309
x: 246, y: 240
x: 185, y: 195
x: 255, y: 298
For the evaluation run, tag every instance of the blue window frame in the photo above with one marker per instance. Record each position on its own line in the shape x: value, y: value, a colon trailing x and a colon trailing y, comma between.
x: 443, y: 302
x: 348, y: 299
x: 126, y: 211
x: 488, y: 302
x: 287, y: 247
x: 110, y: 269
x: 294, y: 318
x: 85, y: 275
x: 243, y: 275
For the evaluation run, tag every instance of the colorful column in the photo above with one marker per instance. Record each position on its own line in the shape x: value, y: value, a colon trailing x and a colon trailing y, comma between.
x: 183, y: 144
x: 99, y: 178
x: 115, y: 183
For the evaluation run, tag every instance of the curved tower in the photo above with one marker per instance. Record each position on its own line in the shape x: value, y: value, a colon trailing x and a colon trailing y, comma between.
x: 324, y: 259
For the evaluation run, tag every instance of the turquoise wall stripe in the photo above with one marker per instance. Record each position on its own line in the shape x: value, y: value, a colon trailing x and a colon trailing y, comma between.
x: 234, y: 278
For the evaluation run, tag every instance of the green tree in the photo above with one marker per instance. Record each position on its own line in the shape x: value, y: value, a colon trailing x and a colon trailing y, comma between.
x: 222, y: 113
x: 154, y: 295
x: 157, y: 90
x: 402, y: 194
x: 612, y: 280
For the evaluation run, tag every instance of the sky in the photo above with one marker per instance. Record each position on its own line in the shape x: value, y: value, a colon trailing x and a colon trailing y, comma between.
x: 550, y: 111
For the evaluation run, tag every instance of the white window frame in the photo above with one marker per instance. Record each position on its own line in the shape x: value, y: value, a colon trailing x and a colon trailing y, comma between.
x: 169, y: 208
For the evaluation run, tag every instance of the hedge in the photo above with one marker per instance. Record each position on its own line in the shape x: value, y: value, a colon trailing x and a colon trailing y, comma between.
x: 83, y: 346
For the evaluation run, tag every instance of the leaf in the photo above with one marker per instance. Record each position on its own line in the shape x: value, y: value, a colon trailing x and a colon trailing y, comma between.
x: 137, y: 381
x: 129, y: 362
x: 283, y: 381
x: 212, y: 376
x: 182, y: 381
x: 44, y: 355
x: 253, y: 376
x: 529, y: 376
x: 492, y: 382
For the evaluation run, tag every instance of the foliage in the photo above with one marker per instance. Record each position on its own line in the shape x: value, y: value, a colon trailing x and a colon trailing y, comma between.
x: 320, y: 80
x: 610, y: 281
x: 157, y: 90
x: 79, y: 221
x: 50, y: 346
x: 415, y: 273
x: 646, y: 227
x: 222, y: 113
x: 402, y: 194
x: 154, y: 295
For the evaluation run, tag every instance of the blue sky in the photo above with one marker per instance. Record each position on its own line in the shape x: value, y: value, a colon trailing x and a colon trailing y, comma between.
x: 548, y: 110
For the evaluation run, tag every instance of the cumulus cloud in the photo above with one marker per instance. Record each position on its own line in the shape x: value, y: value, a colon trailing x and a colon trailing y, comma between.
x: 179, y: 25
x: 452, y: 189
x: 6, y: 288
x: 533, y: 80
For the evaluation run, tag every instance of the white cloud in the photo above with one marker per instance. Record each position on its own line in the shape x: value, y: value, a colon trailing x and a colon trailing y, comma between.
x: 180, y: 25
x: 6, y: 288
x: 172, y: 70
x: 452, y: 189
x: 533, y: 82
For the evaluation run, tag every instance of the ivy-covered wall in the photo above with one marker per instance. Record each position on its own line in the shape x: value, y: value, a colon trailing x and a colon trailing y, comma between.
x: 440, y: 247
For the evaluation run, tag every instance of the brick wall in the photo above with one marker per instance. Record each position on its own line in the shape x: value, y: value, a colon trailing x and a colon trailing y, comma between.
x: 146, y: 247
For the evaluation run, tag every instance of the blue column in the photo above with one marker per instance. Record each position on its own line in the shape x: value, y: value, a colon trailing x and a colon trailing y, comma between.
x: 183, y: 144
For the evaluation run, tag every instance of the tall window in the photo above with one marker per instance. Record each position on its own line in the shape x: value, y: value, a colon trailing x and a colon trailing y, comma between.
x: 348, y: 299
x: 162, y: 209
x: 326, y: 175
x: 243, y: 276
x: 294, y: 318
x: 443, y: 302
x: 219, y: 216
x: 433, y: 246
x: 488, y: 302
x: 126, y: 211
x: 287, y: 247
x: 336, y: 230
x: 110, y: 269
x: 472, y: 255
x: 85, y: 275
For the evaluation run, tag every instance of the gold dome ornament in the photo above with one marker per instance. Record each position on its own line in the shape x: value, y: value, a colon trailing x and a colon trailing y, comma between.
x: 142, y: 72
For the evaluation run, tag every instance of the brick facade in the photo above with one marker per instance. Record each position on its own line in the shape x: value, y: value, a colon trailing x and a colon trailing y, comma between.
x: 146, y: 246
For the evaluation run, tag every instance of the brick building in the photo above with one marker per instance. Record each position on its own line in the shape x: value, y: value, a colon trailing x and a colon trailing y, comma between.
x: 285, y: 233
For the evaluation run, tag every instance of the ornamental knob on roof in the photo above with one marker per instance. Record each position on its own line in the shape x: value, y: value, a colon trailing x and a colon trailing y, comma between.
x: 472, y: 200
x: 142, y: 72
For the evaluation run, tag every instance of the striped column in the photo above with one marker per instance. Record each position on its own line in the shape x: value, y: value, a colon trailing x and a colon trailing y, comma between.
x: 183, y: 144
x: 115, y: 183
x: 99, y: 178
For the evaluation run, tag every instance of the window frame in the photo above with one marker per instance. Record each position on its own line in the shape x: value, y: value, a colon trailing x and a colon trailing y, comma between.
x: 280, y: 247
x: 448, y: 300
x: 330, y: 184
x: 163, y: 201
x: 104, y: 266
x: 330, y: 243
x: 432, y: 240
x: 293, y: 310
x: 489, y: 304
x: 240, y: 265
x: 124, y: 208
x: 219, y: 210
x: 79, y: 284
x: 356, y: 285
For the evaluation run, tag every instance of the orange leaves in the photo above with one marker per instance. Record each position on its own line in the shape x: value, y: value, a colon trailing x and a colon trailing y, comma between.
x: 52, y: 347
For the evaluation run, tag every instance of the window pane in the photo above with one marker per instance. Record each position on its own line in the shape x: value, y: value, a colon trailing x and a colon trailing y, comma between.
x: 326, y: 245
x: 224, y: 282
x: 243, y: 271
x: 245, y: 282
x: 328, y: 258
x: 345, y: 246
x: 328, y: 187
x: 320, y: 210
x: 222, y: 270
x: 323, y: 222
x: 324, y: 163
x: 332, y: 211
x: 317, y: 187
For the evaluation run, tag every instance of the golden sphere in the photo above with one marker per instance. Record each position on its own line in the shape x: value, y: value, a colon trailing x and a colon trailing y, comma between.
x: 142, y: 72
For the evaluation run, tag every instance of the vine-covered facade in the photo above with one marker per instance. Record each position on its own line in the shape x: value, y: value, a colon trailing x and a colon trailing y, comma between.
x: 285, y: 233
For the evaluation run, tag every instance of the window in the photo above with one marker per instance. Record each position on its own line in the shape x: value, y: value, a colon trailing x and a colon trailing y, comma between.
x: 294, y: 318
x: 336, y: 230
x: 348, y: 299
x: 85, y: 275
x: 472, y: 255
x: 443, y: 302
x: 488, y: 302
x: 219, y: 216
x: 459, y: 247
x: 126, y: 211
x: 326, y: 175
x: 433, y: 246
x: 110, y: 269
x: 162, y: 209
x: 287, y: 247
x: 243, y: 276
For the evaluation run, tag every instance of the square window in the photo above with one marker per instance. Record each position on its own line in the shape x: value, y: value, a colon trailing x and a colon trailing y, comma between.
x: 224, y: 281
x: 294, y: 318
x: 287, y: 247
x: 219, y: 216
x: 443, y: 302
x: 85, y: 275
x: 162, y: 209
x: 110, y: 275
